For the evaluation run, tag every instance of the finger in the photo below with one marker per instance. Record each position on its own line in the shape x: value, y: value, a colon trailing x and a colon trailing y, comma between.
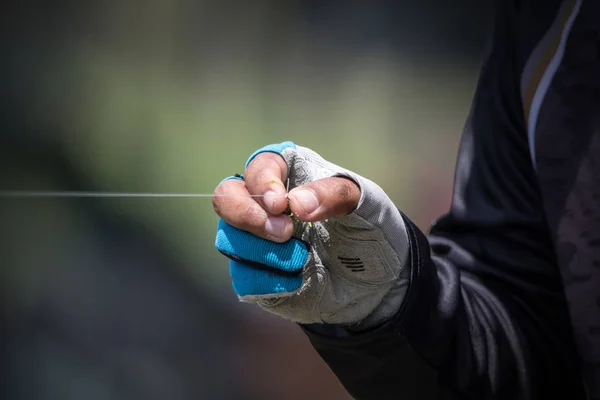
x: 265, y: 175
x: 231, y: 201
x: 324, y: 198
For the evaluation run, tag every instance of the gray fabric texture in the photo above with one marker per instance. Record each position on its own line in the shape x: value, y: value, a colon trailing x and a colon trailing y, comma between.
x: 356, y: 273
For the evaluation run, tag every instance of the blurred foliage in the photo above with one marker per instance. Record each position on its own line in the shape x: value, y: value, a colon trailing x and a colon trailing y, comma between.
x: 151, y: 102
x: 172, y: 96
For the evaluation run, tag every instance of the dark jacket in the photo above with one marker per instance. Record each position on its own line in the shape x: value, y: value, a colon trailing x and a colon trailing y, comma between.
x: 504, y: 299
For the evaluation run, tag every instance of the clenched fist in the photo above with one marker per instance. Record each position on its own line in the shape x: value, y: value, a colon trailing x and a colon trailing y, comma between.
x: 339, y: 258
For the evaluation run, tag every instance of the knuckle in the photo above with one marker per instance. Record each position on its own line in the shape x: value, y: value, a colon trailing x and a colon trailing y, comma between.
x: 221, y: 202
x: 220, y: 189
x: 342, y: 190
x: 256, y: 161
x: 345, y: 192
x: 217, y: 199
x: 264, y: 168
x: 252, y: 216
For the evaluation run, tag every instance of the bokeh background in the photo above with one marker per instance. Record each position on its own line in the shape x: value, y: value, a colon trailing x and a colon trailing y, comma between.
x: 127, y: 298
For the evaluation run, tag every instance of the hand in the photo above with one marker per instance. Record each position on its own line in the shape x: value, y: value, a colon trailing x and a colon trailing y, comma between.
x: 340, y: 258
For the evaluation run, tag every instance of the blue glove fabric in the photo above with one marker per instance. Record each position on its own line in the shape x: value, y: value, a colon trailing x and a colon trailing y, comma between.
x: 271, y: 148
x: 237, y: 177
x: 259, y: 266
x: 248, y: 280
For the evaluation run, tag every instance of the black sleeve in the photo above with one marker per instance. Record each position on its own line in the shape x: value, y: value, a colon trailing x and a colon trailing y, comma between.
x: 485, y: 315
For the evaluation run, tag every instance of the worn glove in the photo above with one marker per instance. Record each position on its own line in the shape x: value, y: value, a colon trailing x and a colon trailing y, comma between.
x: 350, y: 270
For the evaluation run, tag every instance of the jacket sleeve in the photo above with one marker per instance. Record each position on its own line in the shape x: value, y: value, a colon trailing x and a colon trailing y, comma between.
x: 485, y: 315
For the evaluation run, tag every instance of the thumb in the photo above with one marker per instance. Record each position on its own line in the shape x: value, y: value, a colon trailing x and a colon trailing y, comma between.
x: 324, y: 198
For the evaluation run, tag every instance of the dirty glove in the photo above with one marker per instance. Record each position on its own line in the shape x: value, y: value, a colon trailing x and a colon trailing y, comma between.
x: 347, y: 270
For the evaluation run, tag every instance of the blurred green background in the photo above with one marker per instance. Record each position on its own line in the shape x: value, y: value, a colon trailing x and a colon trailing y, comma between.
x: 127, y: 298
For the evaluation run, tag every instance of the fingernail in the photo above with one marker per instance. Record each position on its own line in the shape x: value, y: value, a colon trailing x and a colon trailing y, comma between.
x: 275, y: 226
x: 270, y: 198
x: 307, y: 200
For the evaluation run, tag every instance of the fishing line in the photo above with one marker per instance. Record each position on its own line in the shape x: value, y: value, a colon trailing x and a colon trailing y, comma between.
x: 75, y: 194
x: 80, y: 194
